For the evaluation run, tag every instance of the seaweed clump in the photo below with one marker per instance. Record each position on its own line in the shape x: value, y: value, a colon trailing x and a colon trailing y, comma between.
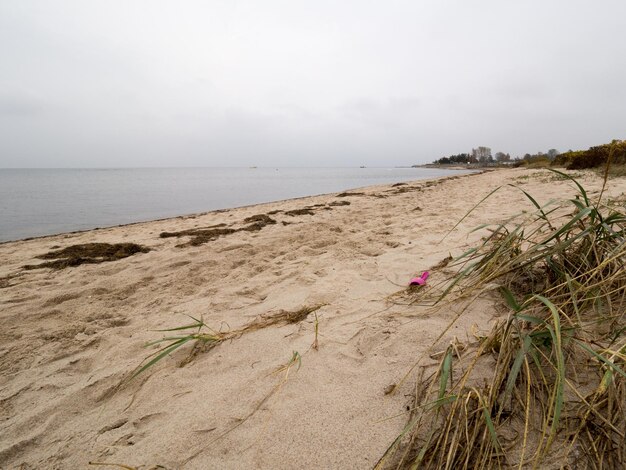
x: 257, y: 222
x: 200, y: 236
x: 305, y: 211
x: 339, y: 203
x: 346, y: 194
x: 87, y: 253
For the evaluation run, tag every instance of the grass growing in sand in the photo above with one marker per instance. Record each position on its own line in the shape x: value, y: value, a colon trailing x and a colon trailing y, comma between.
x: 205, y: 338
x: 545, y: 388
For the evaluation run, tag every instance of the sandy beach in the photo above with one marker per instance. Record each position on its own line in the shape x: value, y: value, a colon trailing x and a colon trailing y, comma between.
x: 265, y: 398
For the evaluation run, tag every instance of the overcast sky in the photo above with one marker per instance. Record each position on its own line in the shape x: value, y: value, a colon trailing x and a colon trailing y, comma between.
x: 305, y: 83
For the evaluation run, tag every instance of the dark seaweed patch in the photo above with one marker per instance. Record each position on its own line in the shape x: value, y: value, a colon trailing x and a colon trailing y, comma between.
x: 263, y: 219
x: 88, y: 253
x: 350, y: 194
x: 404, y: 189
x: 339, y: 203
x: 191, y: 232
x: 200, y: 236
x: 305, y: 211
x: 259, y: 221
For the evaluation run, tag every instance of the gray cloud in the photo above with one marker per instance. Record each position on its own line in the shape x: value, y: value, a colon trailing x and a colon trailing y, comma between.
x: 17, y: 104
x: 156, y: 83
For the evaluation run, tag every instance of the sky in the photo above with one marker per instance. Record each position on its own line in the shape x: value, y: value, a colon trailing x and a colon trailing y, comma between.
x: 150, y: 83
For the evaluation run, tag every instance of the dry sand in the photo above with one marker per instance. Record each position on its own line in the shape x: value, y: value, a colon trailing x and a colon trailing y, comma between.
x: 70, y: 336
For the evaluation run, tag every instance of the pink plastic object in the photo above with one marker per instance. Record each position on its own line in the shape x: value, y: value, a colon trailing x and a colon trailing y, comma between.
x: 421, y: 280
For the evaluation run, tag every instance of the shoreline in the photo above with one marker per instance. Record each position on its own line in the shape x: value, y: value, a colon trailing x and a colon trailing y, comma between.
x: 197, y: 214
x: 72, y: 336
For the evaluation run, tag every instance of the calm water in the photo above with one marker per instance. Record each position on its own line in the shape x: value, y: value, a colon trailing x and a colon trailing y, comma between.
x: 48, y: 201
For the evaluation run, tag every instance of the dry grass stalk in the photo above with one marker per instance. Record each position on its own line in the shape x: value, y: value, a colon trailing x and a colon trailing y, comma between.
x: 315, y: 344
x: 285, y: 369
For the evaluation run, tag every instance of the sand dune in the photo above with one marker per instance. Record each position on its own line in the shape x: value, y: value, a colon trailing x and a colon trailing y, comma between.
x: 70, y: 336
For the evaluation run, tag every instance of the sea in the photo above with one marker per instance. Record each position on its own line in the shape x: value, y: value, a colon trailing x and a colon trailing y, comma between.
x: 37, y: 202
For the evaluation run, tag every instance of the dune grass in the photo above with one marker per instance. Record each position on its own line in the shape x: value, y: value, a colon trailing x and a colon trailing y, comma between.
x: 545, y: 388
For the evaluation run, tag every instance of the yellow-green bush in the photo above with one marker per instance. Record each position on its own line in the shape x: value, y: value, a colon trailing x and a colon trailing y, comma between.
x: 593, y: 157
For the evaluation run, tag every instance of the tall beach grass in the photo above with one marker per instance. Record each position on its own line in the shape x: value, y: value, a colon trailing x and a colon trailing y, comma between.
x: 546, y: 387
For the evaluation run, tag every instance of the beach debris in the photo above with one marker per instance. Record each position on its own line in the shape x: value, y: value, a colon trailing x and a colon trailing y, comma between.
x: 118, y: 465
x: 261, y: 219
x: 305, y: 211
x: 420, y: 280
x: 202, y: 235
x: 205, y: 338
x: 315, y: 345
x: 310, y: 210
x: 339, y: 203
x: 350, y: 194
x: 282, y: 317
x: 406, y: 189
x: 257, y: 222
x: 199, y: 236
x: 88, y: 253
x: 443, y: 263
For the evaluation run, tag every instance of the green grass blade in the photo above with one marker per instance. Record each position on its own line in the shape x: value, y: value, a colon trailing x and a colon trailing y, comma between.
x: 480, y: 227
x: 491, y: 427
x: 440, y: 401
x: 510, y: 299
x: 161, y: 354
x: 465, y: 255
x: 517, y: 366
x: 530, y: 319
x: 569, y: 177
x: 578, y: 204
x: 560, y: 364
x: 446, y: 368
x: 585, y: 212
x: 184, y: 327
x: 534, y: 202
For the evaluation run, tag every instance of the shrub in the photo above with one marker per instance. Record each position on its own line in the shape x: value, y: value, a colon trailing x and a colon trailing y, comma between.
x: 593, y: 157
